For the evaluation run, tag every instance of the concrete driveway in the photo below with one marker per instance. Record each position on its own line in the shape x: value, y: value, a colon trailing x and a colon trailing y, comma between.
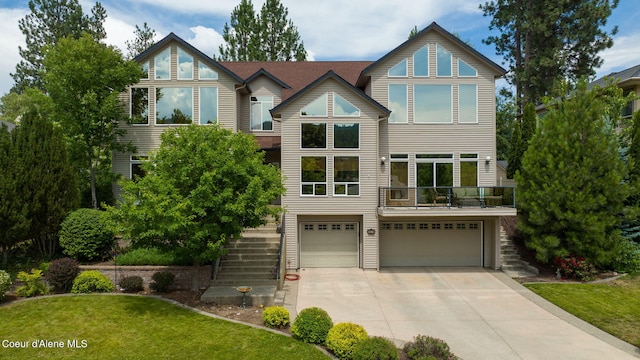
x: 481, y: 314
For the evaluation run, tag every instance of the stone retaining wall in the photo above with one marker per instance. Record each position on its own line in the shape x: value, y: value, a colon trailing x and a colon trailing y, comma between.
x: 183, y: 274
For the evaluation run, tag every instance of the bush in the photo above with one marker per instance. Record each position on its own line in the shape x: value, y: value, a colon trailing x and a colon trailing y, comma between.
x: 312, y: 325
x: 5, y: 283
x: 375, y: 348
x: 162, y: 281
x: 92, y: 281
x: 343, y: 337
x: 131, y: 284
x: 628, y: 261
x: 85, y: 235
x: 151, y: 256
x: 573, y: 267
x: 33, y: 285
x: 275, y: 317
x: 61, y: 274
x: 427, y: 347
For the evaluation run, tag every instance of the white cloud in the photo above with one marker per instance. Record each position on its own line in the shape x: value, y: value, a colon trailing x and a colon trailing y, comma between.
x: 9, y: 41
x: 205, y: 39
x: 624, y: 54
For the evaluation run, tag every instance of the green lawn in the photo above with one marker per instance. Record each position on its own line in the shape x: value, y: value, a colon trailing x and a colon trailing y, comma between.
x: 127, y: 327
x: 613, y: 307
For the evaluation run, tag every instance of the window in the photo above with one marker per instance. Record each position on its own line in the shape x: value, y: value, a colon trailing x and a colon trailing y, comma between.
x: 313, y: 135
x: 421, y: 62
x: 448, y: 226
x: 322, y: 226
x: 139, y: 106
x: 136, y: 170
x: 260, y: 116
x: 434, y: 170
x: 398, y: 226
x: 627, y: 111
x: 185, y: 65
x: 398, y: 103
x: 349, y: 226
x: 473, y: 226
x: 206, y: 73
x: 424, y: 226
x: 346, y: 175
x: 432, y: 104
x: 465, y: 69
x: 346, y: 136
x: 341, y: 107
x: 174, y: 105
x: 468, y: 169
x: 435, y: 226
x: 399, y: 176
x: 467, y: 103
x: 411, y: 226
x: 145, y: 69
x: 317, y: 107
x: 461, y: 226
x: 336, y: 226
x: 443, y: 61
x: 398, y: 70
x: 313, y: 175
x: 386, y: 226
x: 162, y: 63
x: 308, y: 226
x: 208, y: 105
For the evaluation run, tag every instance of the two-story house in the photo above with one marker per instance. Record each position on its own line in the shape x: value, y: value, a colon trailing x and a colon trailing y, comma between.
x: 386, y: 163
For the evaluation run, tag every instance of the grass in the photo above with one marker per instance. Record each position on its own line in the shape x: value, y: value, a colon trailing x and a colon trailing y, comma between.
x: 135, y: 327
x: 613, y: 307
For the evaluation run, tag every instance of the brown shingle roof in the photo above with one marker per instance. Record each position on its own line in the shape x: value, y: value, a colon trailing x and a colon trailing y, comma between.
x: 298, y: 74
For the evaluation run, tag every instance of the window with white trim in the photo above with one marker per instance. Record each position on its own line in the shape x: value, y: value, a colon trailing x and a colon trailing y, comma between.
x: 443, y: 61
x: 346, y: 175
x: 398, y: 70
x: 313, y: 135
x: 346, y: 136
x: 139, y: 105
x: 260, y: 116
x: 421, y: 61
x: 317, y: 107
x: 174, y: 105
x: 206, y: 73
x: 432, y: 104
x: 342, y: 107
x: 135, y: 166
x: 398, y: 103
x: 185, y: 65
x: 468, y: 169
x: 162, y: 65
x: 208, y: 105
x: 313, y: 176
x: 467, y: 103
x: 466, y: 70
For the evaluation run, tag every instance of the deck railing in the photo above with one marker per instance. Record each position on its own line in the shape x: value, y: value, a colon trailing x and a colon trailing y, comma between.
x: 448, y: 196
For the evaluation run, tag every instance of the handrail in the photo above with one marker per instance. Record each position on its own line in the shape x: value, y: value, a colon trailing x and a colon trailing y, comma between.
x: 281, y: 252
x: 447, y: 196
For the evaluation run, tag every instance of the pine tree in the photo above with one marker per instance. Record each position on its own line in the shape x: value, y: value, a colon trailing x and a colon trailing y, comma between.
x: 570, y: 188
x: 515, y: 151
x: 505, y: 122
x: 144, y: 40
x: 241, y: 37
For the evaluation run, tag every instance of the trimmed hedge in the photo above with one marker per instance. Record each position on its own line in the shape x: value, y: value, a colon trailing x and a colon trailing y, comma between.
x: 92, y: 281
x: 61, y: 274
x: 312, y: 325
x: 131, y: 284
x: 5, y: 283
x: 86, y: 236
x: 427, y: 347
x: 162, y: 281
x: 275, y: 317
x: 375, y: 348
x: 343, y: 337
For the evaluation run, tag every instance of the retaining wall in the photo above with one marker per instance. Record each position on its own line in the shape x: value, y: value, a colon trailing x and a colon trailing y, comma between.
x: 182, y: 281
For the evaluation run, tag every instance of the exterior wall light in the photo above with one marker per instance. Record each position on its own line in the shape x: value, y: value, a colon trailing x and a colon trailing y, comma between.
x: 487, y: 159
x: 383, y: 160
x: 371, y: 231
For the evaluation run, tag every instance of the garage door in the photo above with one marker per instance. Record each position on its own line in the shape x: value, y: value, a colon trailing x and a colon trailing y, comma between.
x: 431, y: 244
x: 329, y: 244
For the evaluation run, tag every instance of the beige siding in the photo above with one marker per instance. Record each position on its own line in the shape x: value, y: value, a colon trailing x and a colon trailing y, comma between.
x: 455, y: 138
x: 261, y: 86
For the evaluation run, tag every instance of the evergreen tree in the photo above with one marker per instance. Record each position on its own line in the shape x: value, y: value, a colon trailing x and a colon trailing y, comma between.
x: 143, y: 41
x: 47, y: 180
x: 505, y: 122
x: 47, y: 22
x: 570, y: 185
x: 548, y: 41
x: 515, y: 151
x: 268, y: 36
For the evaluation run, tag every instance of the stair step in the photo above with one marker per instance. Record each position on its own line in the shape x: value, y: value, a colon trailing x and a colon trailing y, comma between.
x: 242, y: 268
x: 244, y: 282
x: 254, y: 245
x: 249, y: 263
x: 251, y: 250
x: 222, y: 275
x: 253, y: 256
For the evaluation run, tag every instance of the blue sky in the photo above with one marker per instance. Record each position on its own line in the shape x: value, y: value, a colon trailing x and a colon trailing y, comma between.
x: 330, y: 29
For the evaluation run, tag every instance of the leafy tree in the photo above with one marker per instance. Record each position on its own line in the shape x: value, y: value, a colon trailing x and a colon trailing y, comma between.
x: 143, y: 41
x: 46, y: 179
x: 47, y: 23
x: 523, y: 131
x: 514, y: 159
x: 84, y: 79
x: 14, y: 105
x: 570, y: 184
x: 547, y: 41
x: 202, y: 187
x: 268, y: 36
x: 505, y: 119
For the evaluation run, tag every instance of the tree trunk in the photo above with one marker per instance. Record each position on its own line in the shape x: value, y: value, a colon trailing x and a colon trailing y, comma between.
x: 92, y: 178
x: 195, y: 277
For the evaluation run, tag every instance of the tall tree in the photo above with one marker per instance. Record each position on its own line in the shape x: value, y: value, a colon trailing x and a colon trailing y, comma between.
x: 143, y: 41
x: 570, y: 187
x: 84, y: 79
x: 201, y: 188
x: 545, y: 42
x: 267, y: 36
x: 505, y: 119
x: 47, y: 180
x: 47, y: 22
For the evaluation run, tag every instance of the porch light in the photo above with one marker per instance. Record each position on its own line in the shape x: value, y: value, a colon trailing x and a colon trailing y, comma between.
x: 487, y: 159
x: 383, y: 160
x: 371, y: 231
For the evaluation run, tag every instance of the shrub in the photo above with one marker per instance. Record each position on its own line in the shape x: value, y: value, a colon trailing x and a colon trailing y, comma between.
x: 275, y: 317
x: 628, y: 261
x: 162, y: 281
x: 91, y: 281
x: 427, y: 347
x: 312, y: 325
x: 375, y: 348
x: 61, y: 274
x: 151, y: 256
x: 85, y: 235
x: 131, y: 284
x: 574, y: 267
x: 5, y: 283
x: 33, y: 285
x: 343, y: 337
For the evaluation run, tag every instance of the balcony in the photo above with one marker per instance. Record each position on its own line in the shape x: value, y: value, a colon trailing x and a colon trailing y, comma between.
x: 447, y: 201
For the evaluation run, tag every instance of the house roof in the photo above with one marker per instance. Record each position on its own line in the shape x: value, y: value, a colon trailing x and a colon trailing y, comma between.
x: 296, y: 74
x: 173, y: 37
x: 330, y: 75
x: 626, y: 75
x: 432, y: 27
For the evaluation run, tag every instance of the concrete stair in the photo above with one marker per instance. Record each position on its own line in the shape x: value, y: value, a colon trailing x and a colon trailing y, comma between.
x: 511, y: 262
x: 251, y: 261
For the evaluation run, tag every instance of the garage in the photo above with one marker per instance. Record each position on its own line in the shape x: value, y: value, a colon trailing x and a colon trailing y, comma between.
x: 438, y: 243
x: 329, y: 244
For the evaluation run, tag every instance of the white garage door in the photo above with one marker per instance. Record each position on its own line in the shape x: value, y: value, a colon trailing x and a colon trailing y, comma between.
x: 329, y: 244
x: 431, y: 244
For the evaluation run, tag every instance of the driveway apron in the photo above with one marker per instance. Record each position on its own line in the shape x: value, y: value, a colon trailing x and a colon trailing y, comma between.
x: 481, y: 314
